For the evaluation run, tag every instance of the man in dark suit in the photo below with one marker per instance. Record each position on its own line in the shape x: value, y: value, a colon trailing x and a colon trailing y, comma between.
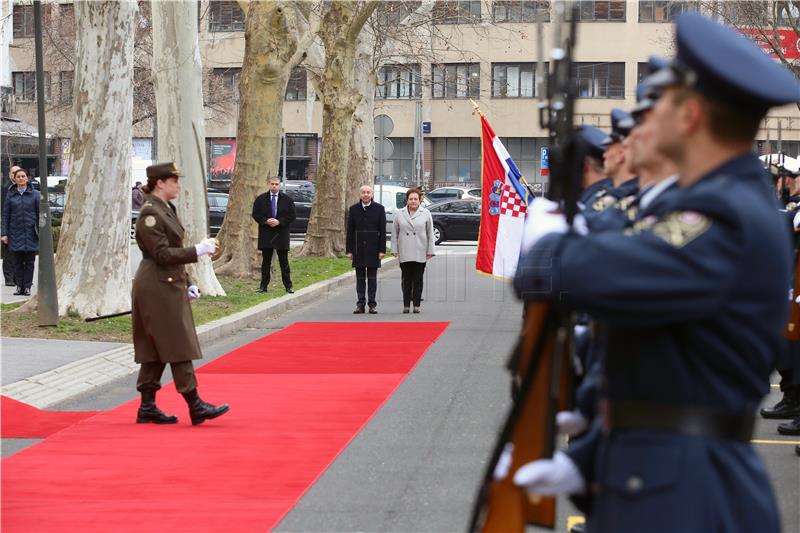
x: 366, y: 246
x: 274, y: 211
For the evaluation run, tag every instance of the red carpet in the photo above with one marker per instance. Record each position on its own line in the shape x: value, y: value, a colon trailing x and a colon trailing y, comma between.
x: 23, y: 421
x: 291, y: 415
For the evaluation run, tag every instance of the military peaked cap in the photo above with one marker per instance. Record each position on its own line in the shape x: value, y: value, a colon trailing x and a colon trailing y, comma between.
x: 594, y: 138
x: 621, y: 126
x: 163, y: 170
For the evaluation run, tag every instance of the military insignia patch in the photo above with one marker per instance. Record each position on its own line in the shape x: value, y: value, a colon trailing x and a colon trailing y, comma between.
x: 791, y: 205
x: 679, y: 229
x: 150, y: 221
x: 604, y: 203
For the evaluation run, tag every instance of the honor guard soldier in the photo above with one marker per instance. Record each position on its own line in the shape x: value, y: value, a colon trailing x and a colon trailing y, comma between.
x: 163, y: 326
x: 694, y: 298
x: 615, y: 166
x: 595, y: 182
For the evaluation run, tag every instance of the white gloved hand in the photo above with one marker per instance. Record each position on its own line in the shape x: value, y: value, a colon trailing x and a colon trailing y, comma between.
x: 551, y: 477
x: 206, y: 246
x: 194, y: 293
x: 797, y: 300
x: 541, y: 221
x: 571, y: 422
x: 796, y: 220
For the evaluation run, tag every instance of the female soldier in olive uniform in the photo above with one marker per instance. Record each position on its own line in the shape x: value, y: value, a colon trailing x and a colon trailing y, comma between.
x: 163, y: 326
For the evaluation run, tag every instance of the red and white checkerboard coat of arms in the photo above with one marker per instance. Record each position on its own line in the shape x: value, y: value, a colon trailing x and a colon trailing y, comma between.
x: 510, y: 202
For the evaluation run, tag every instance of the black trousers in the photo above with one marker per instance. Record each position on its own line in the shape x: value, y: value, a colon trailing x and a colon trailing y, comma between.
x: 23, y: 268
x: 283, y: 259
x: 8, y: 263
x: 412, y: 274
x: 182, y: 374
x: 366, y: 282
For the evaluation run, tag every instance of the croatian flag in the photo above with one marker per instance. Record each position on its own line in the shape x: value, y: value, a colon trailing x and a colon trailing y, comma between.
x: 504, y: 200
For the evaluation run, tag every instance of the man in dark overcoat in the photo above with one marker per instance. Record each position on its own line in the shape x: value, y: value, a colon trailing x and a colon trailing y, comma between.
x: 366, y: 246
x: 274, y: 212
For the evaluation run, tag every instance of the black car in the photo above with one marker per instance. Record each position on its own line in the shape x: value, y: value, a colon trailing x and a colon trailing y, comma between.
x: 303, y: 195
x: 456, y: 220
x: 217, y: 207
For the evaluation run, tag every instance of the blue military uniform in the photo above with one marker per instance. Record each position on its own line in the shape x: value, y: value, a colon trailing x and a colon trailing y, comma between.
x: 621, y: 125
x: 694, y: 298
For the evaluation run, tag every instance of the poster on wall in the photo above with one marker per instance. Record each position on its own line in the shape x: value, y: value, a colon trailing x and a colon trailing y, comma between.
x: 223, y: 157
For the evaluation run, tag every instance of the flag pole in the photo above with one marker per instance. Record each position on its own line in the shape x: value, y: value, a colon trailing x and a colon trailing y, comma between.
x: 477, y: 108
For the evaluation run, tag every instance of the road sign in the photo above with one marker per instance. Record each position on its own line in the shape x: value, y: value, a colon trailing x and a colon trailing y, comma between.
x: 383, y: 148
x: 383, y: 125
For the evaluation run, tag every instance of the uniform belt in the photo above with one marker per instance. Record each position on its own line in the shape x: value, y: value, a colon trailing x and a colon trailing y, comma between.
x: 687, y: 419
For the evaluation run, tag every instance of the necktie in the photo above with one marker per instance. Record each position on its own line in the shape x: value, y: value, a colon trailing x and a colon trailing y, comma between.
x: 274, y: 205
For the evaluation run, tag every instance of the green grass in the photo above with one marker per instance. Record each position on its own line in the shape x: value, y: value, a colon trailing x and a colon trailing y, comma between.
x: 240, y: 296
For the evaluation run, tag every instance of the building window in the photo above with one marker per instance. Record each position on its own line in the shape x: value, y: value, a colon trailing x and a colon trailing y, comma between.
x: 600, y: 10
x: 296, y: 88
x: 790, y: 148
x: 225, y: 15
x: 514, y: 80
x: 393, y: 12
x: 66, y: 84
x: 23, y: 21
x: 457, y: 160
x: 66, y: 18
x: 520, y: 10
x: 400, y: 168
x: 398, y: 81
x: 526, y: 153
x: 788, y: 13
x: 663, y: 10
x: 457, y: 11
x: 228, y: 78
x: 599, y: 80
x: 25, y: 86
x: 457, y: 80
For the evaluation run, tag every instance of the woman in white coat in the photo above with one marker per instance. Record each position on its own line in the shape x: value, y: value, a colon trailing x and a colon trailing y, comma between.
x: 413, y: 243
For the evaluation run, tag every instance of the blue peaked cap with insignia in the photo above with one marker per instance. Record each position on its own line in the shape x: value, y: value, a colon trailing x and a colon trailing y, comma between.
x: 594, y: 138
x: 726, y: 66
x: 646, y: 93
x: 621, y: 125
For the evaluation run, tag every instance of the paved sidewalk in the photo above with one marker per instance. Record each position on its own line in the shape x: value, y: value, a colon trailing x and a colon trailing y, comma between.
x: 44, y: 372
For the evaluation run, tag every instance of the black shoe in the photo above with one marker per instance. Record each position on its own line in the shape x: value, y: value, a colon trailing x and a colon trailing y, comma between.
x: 262, y: 289
x: 787, y: 408
x: 578, y: 528
x: 200, y: 411
x: 26, y: 292
x: 373, y: 310
x: 359, y: 310
x: 150, y: 414
x: 790, y: 428
x: 405, y: 310
x: 290, y: 291
x: 19, y: 292
x: 417, y: 309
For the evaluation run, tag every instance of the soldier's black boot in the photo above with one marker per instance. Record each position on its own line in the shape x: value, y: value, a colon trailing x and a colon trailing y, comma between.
x: 788, y: 407
x: 790, y: 428
x: 200, y: 411
x: 149, y: 413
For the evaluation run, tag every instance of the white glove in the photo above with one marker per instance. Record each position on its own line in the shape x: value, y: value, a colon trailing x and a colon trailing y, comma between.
x: 206, y: 246
x: 571, y: 422
x: 796, y: 220
x: 797, y: 300
x: 541, y: 221
x: 194, y: 293
x: 551, y: 477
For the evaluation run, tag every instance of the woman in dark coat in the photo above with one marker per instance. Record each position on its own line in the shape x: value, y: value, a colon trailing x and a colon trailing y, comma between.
x: 20, y: 230
x: 163, y: 326
x: 366, y: 246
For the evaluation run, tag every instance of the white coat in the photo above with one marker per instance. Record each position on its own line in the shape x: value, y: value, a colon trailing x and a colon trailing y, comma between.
x: 412, y: 236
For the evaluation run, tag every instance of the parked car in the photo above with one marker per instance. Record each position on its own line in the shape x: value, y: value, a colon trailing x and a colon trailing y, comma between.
x: 302, y: 192
x: 217, y: 207
x: 456, y: 220
x: 453, y: 193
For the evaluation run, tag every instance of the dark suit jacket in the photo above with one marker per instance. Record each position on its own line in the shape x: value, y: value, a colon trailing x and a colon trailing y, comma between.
x: 366, y: 234
x: 278, y: 237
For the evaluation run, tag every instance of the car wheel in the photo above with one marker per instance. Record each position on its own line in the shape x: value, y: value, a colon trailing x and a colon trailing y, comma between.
x: 438, y: 234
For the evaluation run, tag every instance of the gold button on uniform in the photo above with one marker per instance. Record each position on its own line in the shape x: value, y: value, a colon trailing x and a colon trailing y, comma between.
x: 634, y: 484
x: 169, y: 279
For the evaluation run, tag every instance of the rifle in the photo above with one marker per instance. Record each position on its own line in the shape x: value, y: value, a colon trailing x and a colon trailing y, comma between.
x: 541, y: 361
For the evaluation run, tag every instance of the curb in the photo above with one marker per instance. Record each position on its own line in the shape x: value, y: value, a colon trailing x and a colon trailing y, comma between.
x: 62, y: 383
